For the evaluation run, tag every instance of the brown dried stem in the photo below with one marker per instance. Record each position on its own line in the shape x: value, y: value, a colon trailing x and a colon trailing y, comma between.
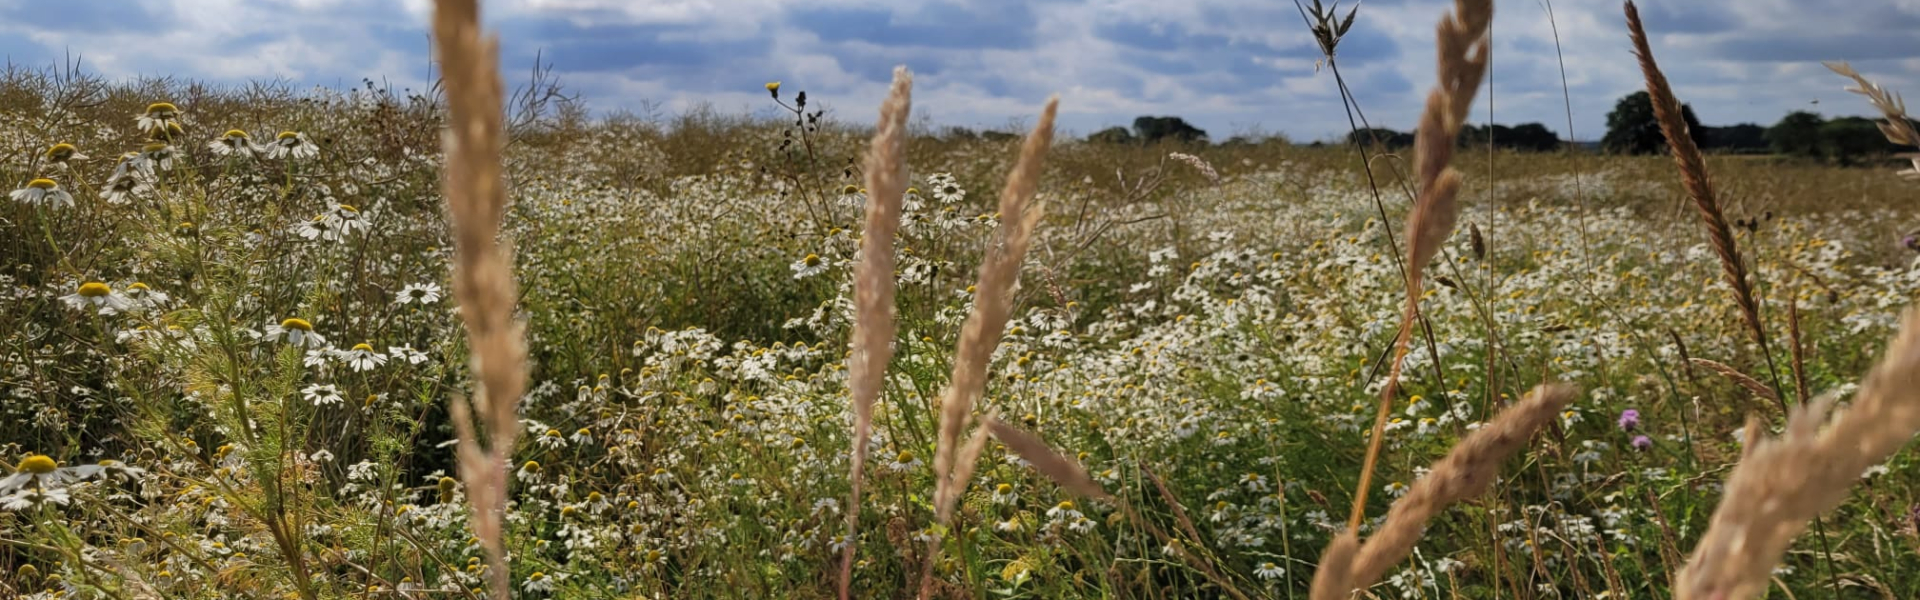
x: 873, y: 327
x: 483, y: 272
x: 1467, y: 471
x: 1462, y: 47
x: 1782, y: 484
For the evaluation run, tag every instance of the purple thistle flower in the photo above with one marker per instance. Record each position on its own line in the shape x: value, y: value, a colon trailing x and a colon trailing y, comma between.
x: 1641, y: 442
x: 1629, y: 420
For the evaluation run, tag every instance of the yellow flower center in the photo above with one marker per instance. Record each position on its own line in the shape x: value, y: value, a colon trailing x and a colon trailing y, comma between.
x: 849, y: 189
x: 138, y: 286
x: 531, y: 466
x: 1003, y: 489
x: 773, y: 86
x: 1066, y: 505
x: 287, y: 135
x: 154, y: 147
x: 905, y: 457
x: 447, y: 483
x: 812, y: 260
x: 349, y: 209
x: 61, y: 151
x: 234, y: 134
x: 94, y: 289
x: 161, y: 109
x: 296, y: 323
x: 38, y: 464
x: 42, y: 184
x: 362, y: 346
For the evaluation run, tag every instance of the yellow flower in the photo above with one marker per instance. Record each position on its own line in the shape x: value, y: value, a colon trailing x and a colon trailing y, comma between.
x: 94, y: 289
x: 773, y: 87
x: 299, y: 324
x: 38, y: 464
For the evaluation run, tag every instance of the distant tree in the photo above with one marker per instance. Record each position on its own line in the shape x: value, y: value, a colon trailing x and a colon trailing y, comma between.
x: 1848, y: 140
x: 1176, y: 129
x: 1797, y: 134
x: 998, y: 136
x: 1737, y: 138
x: 1386, y: 137
x: 961, y: 134
x: 1632, y: 128
x: 1111, y: 135
x: 1527, y: 137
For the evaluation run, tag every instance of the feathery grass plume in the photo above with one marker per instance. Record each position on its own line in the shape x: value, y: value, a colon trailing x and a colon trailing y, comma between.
x: 992, y: 304
x: 886, y: 172
x: 1898, y: 127
x: 1745, y: 381
x: 1062, y: 470
x: 1783, y: 483
x: 1693, y: 175
x: 1467, y: 471
x: 482, y: 273
x: 1463, y: 48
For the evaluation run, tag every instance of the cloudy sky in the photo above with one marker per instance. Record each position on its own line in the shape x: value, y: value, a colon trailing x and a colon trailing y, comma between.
x: 1229, y: 66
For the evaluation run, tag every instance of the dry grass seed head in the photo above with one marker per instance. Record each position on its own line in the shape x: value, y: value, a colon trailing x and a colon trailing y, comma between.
x: 873, y: 327
x: 1782, y: 484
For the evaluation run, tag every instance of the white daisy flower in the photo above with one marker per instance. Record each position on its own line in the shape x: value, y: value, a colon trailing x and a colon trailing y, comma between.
x: 424, y: 293
x: 407, y: 353
x: 129, y: 178
x: 95, y: 295
x: 158, y: 156
x: 292, y: 144
x: 322, y: 227
x: 142, y: 297
x: 1269, y: 571
x: 296, y: 331
x: 61, y: 153
x: 538, y: 582
x: 322, y: 395
x: 905, y: 461
x: 160, y: 117
x: 234, y: 143
x: 43, y: 191
x: 362, y: 357
x: 347, y: 218
x: 809, y: 266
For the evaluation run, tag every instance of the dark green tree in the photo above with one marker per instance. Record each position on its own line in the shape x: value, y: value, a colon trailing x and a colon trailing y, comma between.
x: 1174, y: 129
x: 1797, y: 134
x: 1849, y: 140
x: 1632, y: 128
x: 1386, y: 137
x: 1737, y: 138
x: 1111, y: 135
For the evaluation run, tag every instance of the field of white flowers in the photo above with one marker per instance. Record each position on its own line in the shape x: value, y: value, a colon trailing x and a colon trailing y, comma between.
x: 226, y: 357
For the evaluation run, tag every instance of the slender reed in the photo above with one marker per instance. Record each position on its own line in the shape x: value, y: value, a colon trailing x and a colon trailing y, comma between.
x: 1693, y: 175
x: 1467, y: 471
x: 1898, y: 127
x: 1782, y: 484
x: 1463, y: 48
x: 886, y: 172
x: 482, y: 272
x: 992, y: 305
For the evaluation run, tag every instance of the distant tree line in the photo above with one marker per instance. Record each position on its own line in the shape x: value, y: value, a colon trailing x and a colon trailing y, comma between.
x: 1632, y: 129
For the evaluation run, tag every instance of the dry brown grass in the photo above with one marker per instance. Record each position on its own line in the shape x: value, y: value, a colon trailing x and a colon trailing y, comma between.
x: 886, y: 173
x: 1782, y: 484
x: 1898, y: 126
x: 1699, y: 186
x: 1462, y: 45
x: 953, y: 464
x: 482, y: 273
x: 1467, y: 471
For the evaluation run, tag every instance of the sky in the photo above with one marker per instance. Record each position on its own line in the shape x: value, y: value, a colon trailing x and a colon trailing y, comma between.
x: 1228, y: 66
